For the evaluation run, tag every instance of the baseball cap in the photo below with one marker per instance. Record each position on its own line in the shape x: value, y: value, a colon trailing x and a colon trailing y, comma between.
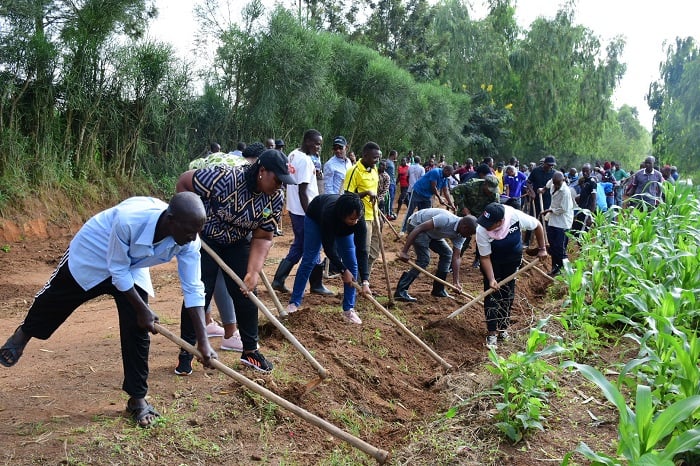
x: 492, y: 183
x: 493, y: 213
x: 549, y: 160
x: 276, y: 162
x: 340, y: 141
x: 279, y: 142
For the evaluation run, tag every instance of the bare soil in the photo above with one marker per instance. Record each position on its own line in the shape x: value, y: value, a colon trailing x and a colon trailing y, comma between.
x: 63, y: 404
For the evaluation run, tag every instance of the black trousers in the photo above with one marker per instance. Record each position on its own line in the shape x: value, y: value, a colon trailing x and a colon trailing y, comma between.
x: 235, y: 255
x: 62, y: 295
x: 497, y: 305
x: 557, y: 244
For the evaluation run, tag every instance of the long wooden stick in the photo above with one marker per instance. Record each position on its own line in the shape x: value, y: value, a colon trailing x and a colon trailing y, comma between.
x: 540, y: 271
x: 378, y: 226
x: 440, y: 280
x: 491, y: 290
x: 380, y: 455
x: 390, y: 225
x: 403, y: 328
x: 271, y: 291
x: 287, y: 334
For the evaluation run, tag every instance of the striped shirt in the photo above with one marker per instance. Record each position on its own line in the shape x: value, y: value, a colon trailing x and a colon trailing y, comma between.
x: 233, y: 210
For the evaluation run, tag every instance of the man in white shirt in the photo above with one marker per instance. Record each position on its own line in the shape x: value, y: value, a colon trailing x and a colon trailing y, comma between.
x: 111, y: 255
x: 560, y: 216
x: 298, y: 198
x: 415, y: 172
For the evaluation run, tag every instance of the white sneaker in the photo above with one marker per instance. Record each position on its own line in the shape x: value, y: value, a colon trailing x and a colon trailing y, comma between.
x: 351, y: 317
x: 492, y: 341
x: 215, y: 330
x: 292, y: 308
x: 232, y: 344
x: 503, y: 335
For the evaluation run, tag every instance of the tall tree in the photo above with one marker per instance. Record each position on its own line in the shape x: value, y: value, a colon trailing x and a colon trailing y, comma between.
x: 675, y: 100
x: 564, y: 86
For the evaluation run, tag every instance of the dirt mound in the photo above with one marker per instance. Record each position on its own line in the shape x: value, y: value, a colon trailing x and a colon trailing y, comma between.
x: 63, y: 400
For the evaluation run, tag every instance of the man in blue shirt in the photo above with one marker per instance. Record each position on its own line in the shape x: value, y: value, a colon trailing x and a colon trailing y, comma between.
x: 335, y: 168
x: 435, y: 181
x: 111, y: 255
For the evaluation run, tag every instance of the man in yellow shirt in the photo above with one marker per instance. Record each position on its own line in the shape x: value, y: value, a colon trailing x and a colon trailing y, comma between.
x: 498, y: 173
x: 363, y: 180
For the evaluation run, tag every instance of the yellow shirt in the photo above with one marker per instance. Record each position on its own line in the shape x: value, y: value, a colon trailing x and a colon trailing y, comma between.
x: 359, y: 179
x: 499, y: 175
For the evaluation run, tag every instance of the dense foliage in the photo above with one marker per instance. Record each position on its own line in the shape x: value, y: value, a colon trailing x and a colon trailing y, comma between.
x: 639, y: 276
x: 675, y: 100
x: 86, y: 101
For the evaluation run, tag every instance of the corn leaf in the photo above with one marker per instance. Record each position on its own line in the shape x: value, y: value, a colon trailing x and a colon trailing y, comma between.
x: 666, y: 422
x: 688, y: 440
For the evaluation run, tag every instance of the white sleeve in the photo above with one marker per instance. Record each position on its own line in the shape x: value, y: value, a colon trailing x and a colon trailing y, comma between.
x: 483, y: 241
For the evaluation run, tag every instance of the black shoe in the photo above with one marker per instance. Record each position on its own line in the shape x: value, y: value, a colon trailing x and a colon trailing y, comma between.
x: 322, y: 290
x: 184, y: 365
x: 440, y: 294
x: 476, y: 264
x: 404, y: 296
x: 556, y: 270
x: 316, y: 282
x: 257, y: 361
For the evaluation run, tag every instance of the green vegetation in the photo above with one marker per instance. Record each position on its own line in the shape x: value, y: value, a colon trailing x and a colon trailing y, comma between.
x: 637, y: 276
x: 91, y: 108
x: 640, y: 276
x: 524, y: 385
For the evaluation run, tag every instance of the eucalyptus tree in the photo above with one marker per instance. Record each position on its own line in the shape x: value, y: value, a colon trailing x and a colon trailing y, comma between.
x: 89, y: 28
x: 675, y: 100
x: 286, y: 76
x: 624, y: 139
x: 565, y: 83
x: 144, y: 86
x: 338, y: 16
x: 29, y: 58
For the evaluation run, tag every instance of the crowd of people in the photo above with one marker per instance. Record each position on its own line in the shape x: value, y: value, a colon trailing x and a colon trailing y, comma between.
x: 233, y: 203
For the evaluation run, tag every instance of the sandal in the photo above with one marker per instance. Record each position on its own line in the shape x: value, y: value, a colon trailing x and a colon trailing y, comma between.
x: 140, y: 415
x: 11, y: 351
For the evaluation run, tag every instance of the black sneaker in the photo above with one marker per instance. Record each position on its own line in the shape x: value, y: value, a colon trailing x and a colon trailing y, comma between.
x: 184, y: 365
x: 257, y: 361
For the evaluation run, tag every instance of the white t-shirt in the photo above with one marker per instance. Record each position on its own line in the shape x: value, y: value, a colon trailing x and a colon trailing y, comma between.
x: 483, y: 240
x: 304, y: 172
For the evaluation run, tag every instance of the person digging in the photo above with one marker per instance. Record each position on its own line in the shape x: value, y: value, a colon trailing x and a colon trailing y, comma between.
x: 499, y: 239
x: 111, y: 255
x: 428, y: 229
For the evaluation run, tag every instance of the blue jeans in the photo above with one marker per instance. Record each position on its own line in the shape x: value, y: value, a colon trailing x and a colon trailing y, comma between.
x: 297, y: 248
x: 416, y: 202
x: 345, y: 246
x: 392, y: 195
